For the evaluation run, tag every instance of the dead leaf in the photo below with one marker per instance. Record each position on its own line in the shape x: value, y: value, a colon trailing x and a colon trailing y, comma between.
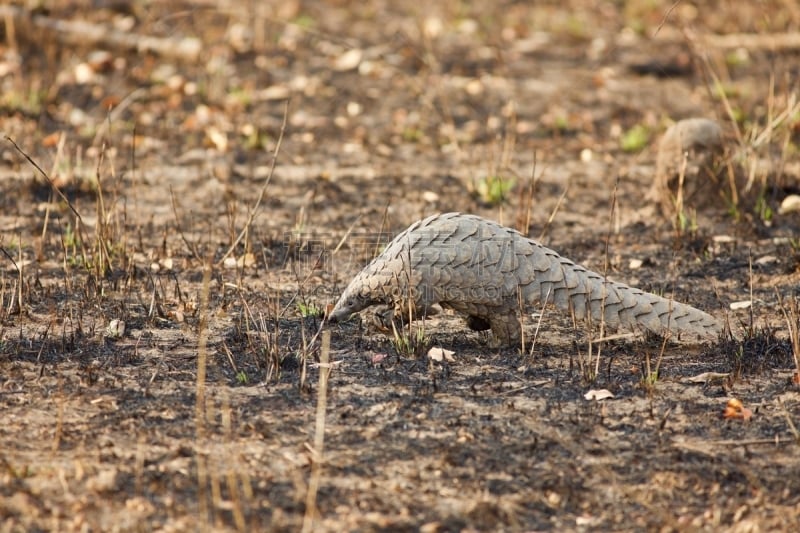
x: 635, y: 264
x: 439, y: 354
x: 110, y: 101
x: 348, y: 60
x: 247, y: 260
x: 735, y: 409
x: 789, y: 204
x: 430, y: 197
x: 218, y: 138
x: 83, y: 73
x: 100, y: 60
x: 105, y: 481
x: 598, y: 394
x: 115, y: 329
x: 51, y: 140
x: 707, y: 377
x: 275, y: 92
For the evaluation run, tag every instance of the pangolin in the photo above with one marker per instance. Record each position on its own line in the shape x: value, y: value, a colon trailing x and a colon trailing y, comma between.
x: 489, y: 272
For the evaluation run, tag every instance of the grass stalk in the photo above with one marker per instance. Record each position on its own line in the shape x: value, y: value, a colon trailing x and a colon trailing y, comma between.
x: 312, y: 512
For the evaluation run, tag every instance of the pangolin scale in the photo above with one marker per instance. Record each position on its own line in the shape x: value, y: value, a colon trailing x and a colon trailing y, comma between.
x: 487, y: 272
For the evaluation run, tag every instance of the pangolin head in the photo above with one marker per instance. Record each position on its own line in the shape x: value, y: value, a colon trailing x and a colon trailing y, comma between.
x: 354, y: 298
x: 375, y: 284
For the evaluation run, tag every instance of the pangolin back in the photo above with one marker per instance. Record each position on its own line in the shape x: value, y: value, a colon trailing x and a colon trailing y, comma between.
x: 485, y: 270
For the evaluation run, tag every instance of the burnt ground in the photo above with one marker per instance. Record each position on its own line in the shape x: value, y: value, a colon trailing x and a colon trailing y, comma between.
x: 200, y: 413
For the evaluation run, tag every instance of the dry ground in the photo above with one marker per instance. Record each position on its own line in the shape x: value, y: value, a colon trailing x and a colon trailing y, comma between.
x: 201, y: 412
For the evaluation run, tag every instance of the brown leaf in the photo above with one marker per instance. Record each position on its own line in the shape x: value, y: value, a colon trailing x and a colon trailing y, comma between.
x: 51, y: 140
x: 735, y: 409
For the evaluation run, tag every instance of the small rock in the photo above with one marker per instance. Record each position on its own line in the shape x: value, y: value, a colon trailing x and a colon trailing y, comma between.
x: 474, y: 87
x: 354, y: 109
x: 433, y: 26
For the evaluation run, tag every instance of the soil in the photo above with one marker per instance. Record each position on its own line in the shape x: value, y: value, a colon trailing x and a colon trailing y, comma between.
x: 162, y: 285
